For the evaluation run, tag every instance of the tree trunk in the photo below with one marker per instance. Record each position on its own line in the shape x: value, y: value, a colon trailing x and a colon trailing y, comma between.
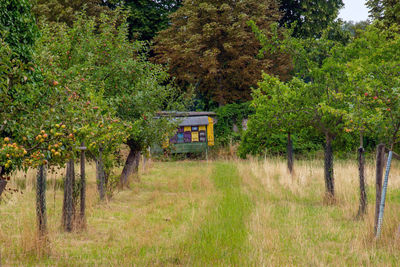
x: 41, y: 200
x: 363, y: 194
x: 131, y: 166
x: 82, y: 217
x: 328, y: 170
x: 100, y: 175
x: 3, y: 183
x: 68, y: 204
x: 136, y: 165
x: 289, y: 150
x: 380, y: 162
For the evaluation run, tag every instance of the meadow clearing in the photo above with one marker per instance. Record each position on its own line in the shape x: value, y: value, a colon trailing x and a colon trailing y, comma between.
x: 210, y: 213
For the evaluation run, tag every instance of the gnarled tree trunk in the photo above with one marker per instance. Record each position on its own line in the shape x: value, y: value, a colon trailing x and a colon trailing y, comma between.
x: 41, y: 200
x: 289, y: 151
x: 131, y: 166
x: 328, y: 170
x: 68, y: 214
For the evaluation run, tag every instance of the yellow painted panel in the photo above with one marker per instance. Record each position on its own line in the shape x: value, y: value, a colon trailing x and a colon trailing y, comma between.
x: 187, y: 128
x: 202, y: 128
x: 165, y: 143
x: 210, y: 131
x: 195, y: 136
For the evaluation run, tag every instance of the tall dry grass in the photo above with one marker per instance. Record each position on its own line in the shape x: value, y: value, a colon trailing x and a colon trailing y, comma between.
x: 292, y: 226
x: 159, y: 221
x: 144, y: 225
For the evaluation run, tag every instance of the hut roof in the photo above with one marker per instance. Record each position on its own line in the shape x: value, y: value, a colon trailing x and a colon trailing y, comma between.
x: 194, y: 121
x: 186, y: 113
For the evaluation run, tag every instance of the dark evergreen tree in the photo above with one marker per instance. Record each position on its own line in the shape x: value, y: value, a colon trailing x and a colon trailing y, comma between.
x: 311, y: 17
x: 147, y: 17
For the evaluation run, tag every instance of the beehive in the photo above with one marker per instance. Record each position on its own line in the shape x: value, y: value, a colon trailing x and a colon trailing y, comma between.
x: 195, y: 132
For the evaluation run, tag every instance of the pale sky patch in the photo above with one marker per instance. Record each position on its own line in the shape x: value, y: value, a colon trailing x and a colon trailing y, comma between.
x: 354, y: 10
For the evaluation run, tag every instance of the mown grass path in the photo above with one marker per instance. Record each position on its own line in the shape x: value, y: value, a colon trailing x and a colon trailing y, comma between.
x: 222, y: 238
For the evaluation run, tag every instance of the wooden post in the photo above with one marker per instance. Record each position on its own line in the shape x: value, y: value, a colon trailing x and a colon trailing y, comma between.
x: 82, y: 216
x: 383, y: 197
x: 380, y: 154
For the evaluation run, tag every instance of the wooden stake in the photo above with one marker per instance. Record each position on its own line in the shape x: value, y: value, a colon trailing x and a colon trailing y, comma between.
x: 380, y: 154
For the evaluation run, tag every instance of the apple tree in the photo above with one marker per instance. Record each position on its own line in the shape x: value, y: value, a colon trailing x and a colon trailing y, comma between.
x: 372, y: 67
x: 98, y: 55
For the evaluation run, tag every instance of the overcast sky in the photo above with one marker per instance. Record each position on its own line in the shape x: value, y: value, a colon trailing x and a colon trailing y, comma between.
x: 354, y: 10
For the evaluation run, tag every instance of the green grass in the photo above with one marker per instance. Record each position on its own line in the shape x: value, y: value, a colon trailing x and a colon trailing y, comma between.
x: 222, y: 238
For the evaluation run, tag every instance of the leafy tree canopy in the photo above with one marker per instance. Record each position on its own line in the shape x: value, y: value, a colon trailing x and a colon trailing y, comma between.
x: 64, y: 11
x: 355, y: 28
x: 18, y: 27
x: 210, y: 45
x: 385, y: 10
x: 147, y: 17
x: 96, y: 57
x: 311, y: 17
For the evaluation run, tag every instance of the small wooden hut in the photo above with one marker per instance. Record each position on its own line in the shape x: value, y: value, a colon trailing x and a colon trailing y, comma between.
x: 195, y: 132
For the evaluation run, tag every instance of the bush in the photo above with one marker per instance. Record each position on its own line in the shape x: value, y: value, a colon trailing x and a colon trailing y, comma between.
x: 228, y: 116
x: 258, y: 141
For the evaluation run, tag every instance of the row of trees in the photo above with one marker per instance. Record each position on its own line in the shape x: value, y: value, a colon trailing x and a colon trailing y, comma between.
x: 352, y: 91
x: 207, y: 44
x: 71, y: 90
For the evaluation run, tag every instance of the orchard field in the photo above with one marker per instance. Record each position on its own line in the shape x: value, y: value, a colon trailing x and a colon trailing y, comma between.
x: 84, y: 84
x: 203, y: 213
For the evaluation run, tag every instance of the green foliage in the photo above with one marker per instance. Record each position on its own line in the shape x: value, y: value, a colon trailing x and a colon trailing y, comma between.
x: 352, y: 89
x: 259, y: 140
x: 355, y: 28
x: 96, y: 57
x: 228, y: 116
x: 147, y: 17
x: 18, y: 27
x: 309, y: 17
x: 306, y: 53
x: 210, y: 46
x: 372, y: 65
x: 280, y: 108
x: 387, y: 11
x: 49, y: 113
x: 71, y: 62
x: 58, y: 108
x: 65, y: 11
